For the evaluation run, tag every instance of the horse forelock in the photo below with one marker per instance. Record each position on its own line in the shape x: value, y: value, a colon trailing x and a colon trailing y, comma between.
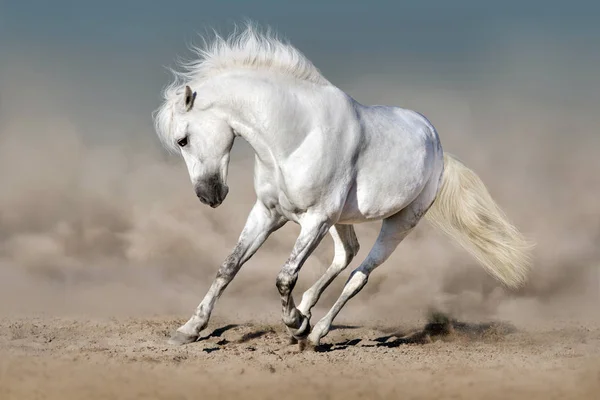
x: 163, y: 122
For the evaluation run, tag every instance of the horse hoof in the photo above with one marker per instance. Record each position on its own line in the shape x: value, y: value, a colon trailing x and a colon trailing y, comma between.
x: 314, y: 339
x: 302, y: 332
x: 292, y: 341
x: 179, y: 339
x: 305, y: 345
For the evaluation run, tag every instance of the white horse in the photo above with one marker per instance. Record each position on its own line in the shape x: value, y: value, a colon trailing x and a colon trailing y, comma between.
x: 326, y: 162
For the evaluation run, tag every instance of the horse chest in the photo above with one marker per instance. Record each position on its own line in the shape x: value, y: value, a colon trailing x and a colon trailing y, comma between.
x: 289, y: 199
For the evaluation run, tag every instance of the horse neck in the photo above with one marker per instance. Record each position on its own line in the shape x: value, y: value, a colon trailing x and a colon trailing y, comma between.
x: 258, y: 110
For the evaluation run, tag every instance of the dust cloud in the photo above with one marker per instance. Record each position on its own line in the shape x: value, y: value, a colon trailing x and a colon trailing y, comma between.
x: 113, y: 227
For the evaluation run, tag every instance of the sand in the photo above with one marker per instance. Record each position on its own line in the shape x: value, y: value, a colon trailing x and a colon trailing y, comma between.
x: 61, y: 358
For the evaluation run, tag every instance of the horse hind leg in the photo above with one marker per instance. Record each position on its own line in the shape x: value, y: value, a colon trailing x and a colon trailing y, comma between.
x: 393, y: 230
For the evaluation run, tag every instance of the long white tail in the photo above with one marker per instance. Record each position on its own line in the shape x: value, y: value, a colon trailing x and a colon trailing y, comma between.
x: 466, y: 212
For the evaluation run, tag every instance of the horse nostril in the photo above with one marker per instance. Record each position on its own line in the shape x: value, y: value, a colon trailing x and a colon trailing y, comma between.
x: 202, y: 199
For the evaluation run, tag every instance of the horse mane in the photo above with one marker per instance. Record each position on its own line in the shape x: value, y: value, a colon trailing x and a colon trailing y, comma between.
x: 252, y: 49
x: 248, y: 48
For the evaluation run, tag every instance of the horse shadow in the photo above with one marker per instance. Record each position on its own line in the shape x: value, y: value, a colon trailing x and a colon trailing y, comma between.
x: 247, y: 337
x: 439, y: 327
x: 218, y: 332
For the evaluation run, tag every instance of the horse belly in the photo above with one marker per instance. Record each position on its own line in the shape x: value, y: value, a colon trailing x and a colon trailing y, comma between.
x: 383, y: 192
x: 373, y: 203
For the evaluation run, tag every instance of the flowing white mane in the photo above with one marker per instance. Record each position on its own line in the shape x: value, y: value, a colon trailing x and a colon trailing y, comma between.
x: 250, y: 48
x: 247, y: 48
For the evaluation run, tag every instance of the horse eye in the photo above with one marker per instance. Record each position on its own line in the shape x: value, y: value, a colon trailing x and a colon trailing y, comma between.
x: 183, y: 142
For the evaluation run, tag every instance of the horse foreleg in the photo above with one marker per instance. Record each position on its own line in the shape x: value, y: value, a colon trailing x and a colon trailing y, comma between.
x: 261, y: 222
x: 311, y: 233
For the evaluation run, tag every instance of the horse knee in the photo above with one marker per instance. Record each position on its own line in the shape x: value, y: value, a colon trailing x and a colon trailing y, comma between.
x: 285, y: 282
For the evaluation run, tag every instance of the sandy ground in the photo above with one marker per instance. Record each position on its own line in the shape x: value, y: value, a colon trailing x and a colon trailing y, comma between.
x: 62, y: 358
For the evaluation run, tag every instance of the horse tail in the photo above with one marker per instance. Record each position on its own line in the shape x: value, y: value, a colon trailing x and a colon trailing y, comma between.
x: 466, y: 212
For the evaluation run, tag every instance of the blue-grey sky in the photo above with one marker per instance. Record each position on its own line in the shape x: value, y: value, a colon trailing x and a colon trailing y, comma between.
x: 110, y: 56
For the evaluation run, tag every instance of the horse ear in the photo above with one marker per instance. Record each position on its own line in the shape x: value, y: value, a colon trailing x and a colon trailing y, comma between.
x: 189, y: 98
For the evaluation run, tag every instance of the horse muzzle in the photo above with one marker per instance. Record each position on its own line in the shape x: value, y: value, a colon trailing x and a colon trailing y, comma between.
x: 211, y: 191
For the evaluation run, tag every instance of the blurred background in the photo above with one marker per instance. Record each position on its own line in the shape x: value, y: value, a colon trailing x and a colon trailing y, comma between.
x: 96, y: 218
